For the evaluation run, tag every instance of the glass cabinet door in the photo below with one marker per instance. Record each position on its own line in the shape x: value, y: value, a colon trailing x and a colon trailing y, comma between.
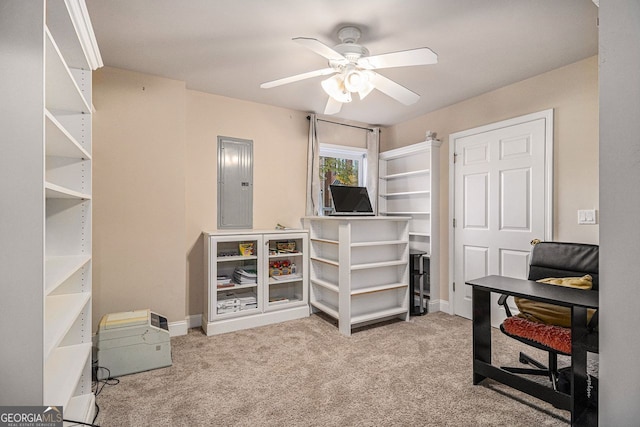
x: 285, y: 260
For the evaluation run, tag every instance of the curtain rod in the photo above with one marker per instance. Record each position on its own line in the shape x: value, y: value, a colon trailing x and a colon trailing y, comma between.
x: 341, y: 124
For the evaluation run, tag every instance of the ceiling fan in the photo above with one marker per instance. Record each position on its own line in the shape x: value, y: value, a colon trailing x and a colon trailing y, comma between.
x: 353, y: 70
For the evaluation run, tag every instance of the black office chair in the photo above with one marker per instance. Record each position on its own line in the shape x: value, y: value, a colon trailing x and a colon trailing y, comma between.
x: 552, y: 259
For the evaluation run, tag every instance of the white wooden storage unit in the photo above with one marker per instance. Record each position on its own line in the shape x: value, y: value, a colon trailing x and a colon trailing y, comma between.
x: 359, y: 268
x: 48, y: 54
x: 270, y: 298
x: 409, y: 186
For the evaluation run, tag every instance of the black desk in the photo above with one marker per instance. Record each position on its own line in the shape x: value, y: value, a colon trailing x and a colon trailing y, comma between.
x: 577, y: 299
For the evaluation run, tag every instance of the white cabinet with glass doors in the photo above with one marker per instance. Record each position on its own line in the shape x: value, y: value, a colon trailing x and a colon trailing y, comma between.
x: 254, y: 278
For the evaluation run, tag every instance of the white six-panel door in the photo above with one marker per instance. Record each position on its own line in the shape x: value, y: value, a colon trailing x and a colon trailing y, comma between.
x: 502, y: 186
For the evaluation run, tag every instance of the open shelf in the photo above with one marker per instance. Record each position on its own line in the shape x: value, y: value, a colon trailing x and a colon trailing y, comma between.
x: 379, y: 288
x: 60, y: 313
x: 378, y: 243
x: 325, y: 284
x: 80, y: 408
x: 406, y: 213
x: 328, y: 241
x: 380, y: 314
x: 60, y: 143
x: 405, y: 174
x: 326, y: 261
x: 60, y: 268
x: 404, y: 193
x: 62, y: 92
x: 63, y: 370
x: 415, y: 233
x: 326, y: 308
x: 53, y: 191
x: 383, y: 264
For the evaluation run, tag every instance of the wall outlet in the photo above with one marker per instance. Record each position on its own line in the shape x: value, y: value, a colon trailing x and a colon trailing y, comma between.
x: 587, y: 216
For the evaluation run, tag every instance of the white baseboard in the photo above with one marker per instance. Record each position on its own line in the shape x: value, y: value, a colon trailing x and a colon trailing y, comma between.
x: 438, y: 305
x: 194, y: 321
x: 181, y: 327
x: 178, y: 328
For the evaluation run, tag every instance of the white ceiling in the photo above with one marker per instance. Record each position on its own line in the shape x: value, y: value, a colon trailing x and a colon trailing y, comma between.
x: 229, y: 47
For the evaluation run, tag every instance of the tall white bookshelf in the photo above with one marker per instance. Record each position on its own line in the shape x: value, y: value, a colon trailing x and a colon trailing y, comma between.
x: 409, y: 186
x: 49, y: 53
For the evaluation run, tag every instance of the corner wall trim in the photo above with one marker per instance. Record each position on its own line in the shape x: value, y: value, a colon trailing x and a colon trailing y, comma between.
x: 194, y: 321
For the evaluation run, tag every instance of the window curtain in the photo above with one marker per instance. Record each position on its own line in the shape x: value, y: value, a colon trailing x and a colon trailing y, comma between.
x: 373, y: 149
x: 313, y: 168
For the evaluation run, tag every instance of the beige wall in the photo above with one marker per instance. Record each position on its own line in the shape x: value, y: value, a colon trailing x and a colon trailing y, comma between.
x: 279, y: 173
x: 155, y: 145
x: 572, y: 92
x: 138, y: 194
x: 155, y: 157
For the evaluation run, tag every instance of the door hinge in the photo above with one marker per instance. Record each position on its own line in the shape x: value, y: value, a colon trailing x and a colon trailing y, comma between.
x: 454, y: 286
x: 454, y: 223
x: 455, y: 157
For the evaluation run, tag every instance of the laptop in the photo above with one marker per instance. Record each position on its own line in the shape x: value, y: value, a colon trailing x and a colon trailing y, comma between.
x: 350, y: 201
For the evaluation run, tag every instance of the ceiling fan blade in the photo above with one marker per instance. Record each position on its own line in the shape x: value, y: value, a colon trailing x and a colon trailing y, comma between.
x: 394, y: 90
x: 320, y: 48
x: 332, y: 107
x: 405, y: 58
x: 297, y: 77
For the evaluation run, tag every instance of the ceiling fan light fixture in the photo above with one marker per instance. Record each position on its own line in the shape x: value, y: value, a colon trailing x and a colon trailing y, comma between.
x: 354, y: 80
x: 335, y: 88
x: 359, y: 81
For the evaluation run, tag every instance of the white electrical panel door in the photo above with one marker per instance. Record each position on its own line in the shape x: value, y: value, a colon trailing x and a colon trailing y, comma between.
x: 235, y: 183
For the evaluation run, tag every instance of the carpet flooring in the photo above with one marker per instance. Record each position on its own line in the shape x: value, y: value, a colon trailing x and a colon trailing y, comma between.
x: 305, y: 373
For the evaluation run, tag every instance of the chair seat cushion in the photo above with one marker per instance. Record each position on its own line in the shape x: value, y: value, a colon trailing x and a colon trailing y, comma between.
x: 552, y: 336
x: 551, y: 314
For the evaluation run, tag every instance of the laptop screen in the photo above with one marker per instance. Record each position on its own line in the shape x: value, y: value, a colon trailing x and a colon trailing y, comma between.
x: 353, y: 200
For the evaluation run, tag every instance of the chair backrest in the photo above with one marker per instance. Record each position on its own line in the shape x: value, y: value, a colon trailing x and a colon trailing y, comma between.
x: 560, y: 259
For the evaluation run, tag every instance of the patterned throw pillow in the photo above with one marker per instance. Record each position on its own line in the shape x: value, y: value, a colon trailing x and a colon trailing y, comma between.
x: 551, y: 314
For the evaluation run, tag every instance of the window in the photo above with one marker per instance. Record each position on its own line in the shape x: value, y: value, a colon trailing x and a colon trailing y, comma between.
x: 340, y: 165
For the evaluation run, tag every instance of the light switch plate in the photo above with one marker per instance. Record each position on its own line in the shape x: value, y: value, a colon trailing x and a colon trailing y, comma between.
x: 587, y: 216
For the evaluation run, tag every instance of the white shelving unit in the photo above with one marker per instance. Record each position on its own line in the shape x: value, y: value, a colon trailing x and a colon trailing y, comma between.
x: 409, y: 186
x: 46, y: 205
x: 359, y: 268
x: 277, y: 284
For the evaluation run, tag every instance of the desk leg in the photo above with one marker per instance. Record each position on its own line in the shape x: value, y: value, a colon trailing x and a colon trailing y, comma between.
x: 481, y: 305
x: 579, y: 391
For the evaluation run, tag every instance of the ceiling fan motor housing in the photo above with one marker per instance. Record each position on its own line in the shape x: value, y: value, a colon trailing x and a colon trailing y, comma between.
x: 349, y: 48
x: 349, y: 34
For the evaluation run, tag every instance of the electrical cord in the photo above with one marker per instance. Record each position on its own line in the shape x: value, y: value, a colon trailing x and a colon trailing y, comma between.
x: 80, y: 423
x: 97, y: 386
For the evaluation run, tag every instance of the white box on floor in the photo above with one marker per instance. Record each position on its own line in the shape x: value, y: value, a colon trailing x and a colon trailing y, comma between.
x: 132, y: 341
